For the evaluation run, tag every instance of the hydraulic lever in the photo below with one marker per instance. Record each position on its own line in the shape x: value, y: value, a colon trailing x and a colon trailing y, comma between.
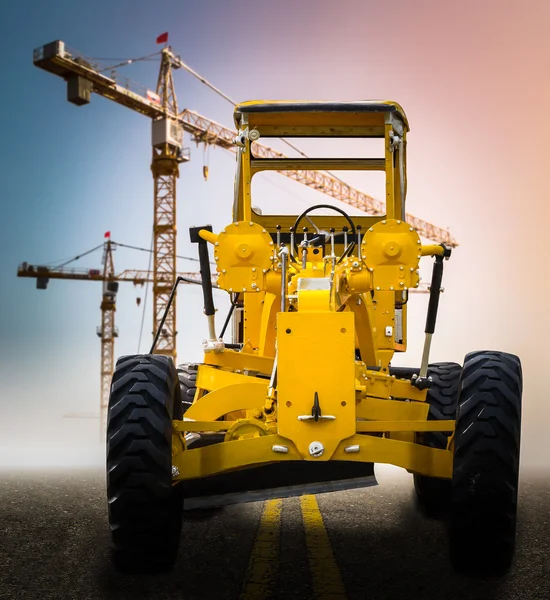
x: 212, y: 344
x: 422, y: 381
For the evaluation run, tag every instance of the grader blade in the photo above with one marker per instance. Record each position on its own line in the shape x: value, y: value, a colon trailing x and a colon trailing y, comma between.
x: 278, y: 480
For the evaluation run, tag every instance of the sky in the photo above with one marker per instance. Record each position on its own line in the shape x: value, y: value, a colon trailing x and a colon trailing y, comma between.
x: 473, y: 78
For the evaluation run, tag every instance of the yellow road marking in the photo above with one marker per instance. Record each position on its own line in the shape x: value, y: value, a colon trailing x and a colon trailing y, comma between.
x: 263, y: 565
x: 325, y: 575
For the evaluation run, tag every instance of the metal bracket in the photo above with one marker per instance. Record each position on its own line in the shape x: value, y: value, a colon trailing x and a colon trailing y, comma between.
x: 422, y: 383
x: 215, y: 346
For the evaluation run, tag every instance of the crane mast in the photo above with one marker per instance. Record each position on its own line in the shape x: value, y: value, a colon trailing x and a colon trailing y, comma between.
x: 107, y: 331
x: 167, y: 136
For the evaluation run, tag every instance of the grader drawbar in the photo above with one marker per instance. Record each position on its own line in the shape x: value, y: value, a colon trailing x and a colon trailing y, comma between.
x: 304, y: 398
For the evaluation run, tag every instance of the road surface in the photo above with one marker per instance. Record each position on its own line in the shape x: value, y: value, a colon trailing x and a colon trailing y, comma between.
x: 361, y: 544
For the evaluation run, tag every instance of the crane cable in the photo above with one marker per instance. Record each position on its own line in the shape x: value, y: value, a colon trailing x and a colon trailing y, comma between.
x: 125, y: 61
x: 205, y: 81
x: 78, y: 256
x: 151, y: 251
x: 218, y: 91
x: 225, y: 97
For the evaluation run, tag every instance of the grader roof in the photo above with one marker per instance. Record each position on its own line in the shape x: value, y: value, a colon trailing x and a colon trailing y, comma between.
x: 362, y: 113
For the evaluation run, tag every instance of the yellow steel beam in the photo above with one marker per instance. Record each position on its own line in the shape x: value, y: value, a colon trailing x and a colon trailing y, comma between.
x: 317, y: 164
x: 210, y: 378
x: 361, y: 426
x: 383, y: 426
x: 227, y: 456
x: 240, y: 361
x: 220, y: 402
x: 201, y: 426
x: 375, y: 409
x: 427, y: 461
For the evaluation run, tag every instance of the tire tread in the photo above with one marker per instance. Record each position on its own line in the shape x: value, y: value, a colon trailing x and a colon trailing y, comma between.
x: 144, y: 508
x: 486, y: 463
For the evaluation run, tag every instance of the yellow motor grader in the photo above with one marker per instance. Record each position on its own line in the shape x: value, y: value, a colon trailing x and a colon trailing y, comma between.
x: 304, y: 398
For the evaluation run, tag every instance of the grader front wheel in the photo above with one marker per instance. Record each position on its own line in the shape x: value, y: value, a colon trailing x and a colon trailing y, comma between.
x: 486, y: 463
x: 434, y: 495
x: 187, y: 375
x: 145, y: 511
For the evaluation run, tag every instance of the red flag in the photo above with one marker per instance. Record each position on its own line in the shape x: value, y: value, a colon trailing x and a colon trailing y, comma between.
x: 107, y: 234
x: 163, y: 38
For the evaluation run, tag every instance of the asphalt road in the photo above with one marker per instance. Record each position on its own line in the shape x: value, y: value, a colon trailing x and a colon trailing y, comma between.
x: 55, y: 543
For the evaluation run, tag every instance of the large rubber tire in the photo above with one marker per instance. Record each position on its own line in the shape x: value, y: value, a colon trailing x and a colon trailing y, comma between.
x: 145, y: 511
x: 434, y: 495
x: 486, y: 464
x: 187, y: 374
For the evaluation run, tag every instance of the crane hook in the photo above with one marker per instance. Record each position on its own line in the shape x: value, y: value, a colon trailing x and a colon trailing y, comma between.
x: 205, y: 157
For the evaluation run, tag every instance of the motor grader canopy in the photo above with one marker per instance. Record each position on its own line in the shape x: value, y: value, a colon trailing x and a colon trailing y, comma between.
x: 365, y: 118
x: 323, y: 121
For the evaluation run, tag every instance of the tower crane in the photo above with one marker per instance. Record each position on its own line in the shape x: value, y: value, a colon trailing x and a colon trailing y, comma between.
x: 107, y: 331
x: 83, y: 77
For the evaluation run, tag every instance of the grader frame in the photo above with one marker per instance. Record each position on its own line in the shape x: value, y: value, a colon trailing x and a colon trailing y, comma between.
x: 309, y: 378
x: 304, y: 399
